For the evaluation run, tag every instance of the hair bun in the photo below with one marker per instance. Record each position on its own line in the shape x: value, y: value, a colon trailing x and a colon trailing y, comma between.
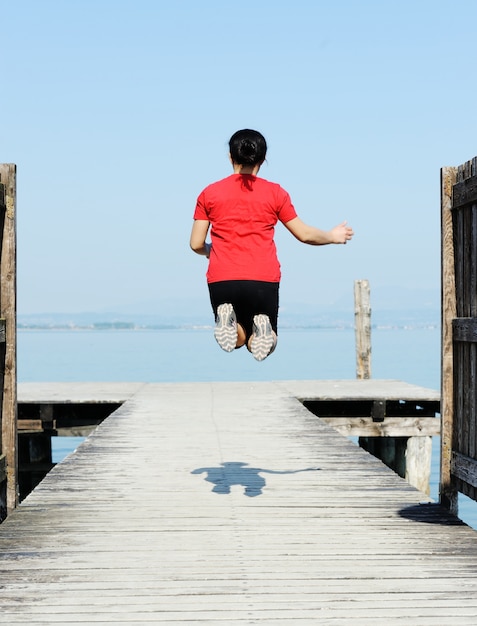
x: 248, y: 147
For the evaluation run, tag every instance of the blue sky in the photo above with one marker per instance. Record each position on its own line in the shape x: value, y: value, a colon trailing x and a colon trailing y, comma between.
x: 117, y: 113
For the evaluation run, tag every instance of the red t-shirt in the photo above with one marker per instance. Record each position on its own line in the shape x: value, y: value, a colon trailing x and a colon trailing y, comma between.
x: 243, y: 211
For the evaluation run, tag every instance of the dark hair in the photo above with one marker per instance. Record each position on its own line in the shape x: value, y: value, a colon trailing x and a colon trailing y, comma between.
x: 248, y: 147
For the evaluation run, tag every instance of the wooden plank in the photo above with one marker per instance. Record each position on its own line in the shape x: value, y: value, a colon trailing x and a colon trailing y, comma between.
x: 448, y: 492
x: 464, y: 193
x: 353, y: 389
x: 3, y: 484
x: 466, y: 170
x: 465, y: 468
x: 465, y: 329
x: 472, y: 286
x: 472, y: 410
x: 30, y: 424
x: 76, y: 393
x: 8, y: 313
x: 389, y: 427
x: 3, y: 210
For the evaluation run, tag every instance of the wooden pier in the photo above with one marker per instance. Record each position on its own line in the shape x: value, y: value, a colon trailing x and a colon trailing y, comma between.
x: 231, y: 503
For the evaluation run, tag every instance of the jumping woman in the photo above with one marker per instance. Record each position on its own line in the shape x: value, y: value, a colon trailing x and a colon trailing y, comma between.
x: 243, y: 275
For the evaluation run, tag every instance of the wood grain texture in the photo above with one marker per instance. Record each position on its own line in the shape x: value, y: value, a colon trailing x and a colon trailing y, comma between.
x: 362, y: 315
x: 231, y: 504
x: 448, y: 493
x: 464, y: 346
x: 8, y: 349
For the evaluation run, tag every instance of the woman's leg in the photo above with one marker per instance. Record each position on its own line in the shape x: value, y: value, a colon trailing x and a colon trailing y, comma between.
x: 229, y: 333
x: 260, y: 309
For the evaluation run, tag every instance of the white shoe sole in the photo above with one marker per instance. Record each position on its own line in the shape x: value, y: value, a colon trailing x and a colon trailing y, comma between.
x: 225, y: 331
x: 263, y: 337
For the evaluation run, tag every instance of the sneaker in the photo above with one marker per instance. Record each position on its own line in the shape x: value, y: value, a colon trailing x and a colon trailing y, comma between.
x: 225, y: 332
x: 263, y: 338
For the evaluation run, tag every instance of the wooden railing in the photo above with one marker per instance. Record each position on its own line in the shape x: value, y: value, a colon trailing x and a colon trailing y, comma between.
x: 8, y: 366
x: 459, y: 333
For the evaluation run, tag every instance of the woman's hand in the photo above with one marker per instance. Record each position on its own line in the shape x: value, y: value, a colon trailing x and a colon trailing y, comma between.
x: 341, y: 233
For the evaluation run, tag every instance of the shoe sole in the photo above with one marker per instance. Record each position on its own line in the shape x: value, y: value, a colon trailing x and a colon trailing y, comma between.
x: 263, y: 340
x: 225, y: 331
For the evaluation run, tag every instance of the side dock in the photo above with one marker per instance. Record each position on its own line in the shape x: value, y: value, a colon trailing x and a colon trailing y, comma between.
x: 232, y: 503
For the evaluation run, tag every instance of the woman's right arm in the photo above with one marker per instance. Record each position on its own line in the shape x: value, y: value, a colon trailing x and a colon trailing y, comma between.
x: 198, y: 235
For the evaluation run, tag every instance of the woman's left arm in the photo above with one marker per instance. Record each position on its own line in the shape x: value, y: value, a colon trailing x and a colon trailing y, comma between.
x: 317, y: 237
x: 198, y: 235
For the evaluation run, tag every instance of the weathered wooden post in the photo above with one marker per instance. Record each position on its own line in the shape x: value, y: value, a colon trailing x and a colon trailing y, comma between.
x: 448, y: 490
x: 418, y: 462
x: 362, y: 315
x: 3, y: 460
x: 8, y: 320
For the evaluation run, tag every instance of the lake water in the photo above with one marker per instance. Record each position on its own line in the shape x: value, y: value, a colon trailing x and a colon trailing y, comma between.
x: 186, y: 355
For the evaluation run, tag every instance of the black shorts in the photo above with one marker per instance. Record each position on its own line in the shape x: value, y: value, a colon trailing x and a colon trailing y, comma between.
x: 249, y: 298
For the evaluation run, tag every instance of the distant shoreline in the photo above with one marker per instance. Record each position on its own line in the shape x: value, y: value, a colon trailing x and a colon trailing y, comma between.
x: 131, y: 326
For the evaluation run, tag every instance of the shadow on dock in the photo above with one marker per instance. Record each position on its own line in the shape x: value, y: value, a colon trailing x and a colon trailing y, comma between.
x: 233, y: 473
x: 430, y: 513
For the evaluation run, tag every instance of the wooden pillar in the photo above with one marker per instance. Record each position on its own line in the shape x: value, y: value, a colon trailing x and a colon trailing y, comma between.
x: 362, y: 315
x: 448, y: 492
x: 418, y: 463
x: 8, y: 313
x: 3, y: 460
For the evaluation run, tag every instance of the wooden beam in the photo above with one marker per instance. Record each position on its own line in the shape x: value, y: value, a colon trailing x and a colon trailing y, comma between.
x: 30, y: 424
x: 464, y: 329
x: 448, y: 491
x: 464, y: 193
x: 464, y: 468
x: 8, y: 311
x: 389, y: 427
